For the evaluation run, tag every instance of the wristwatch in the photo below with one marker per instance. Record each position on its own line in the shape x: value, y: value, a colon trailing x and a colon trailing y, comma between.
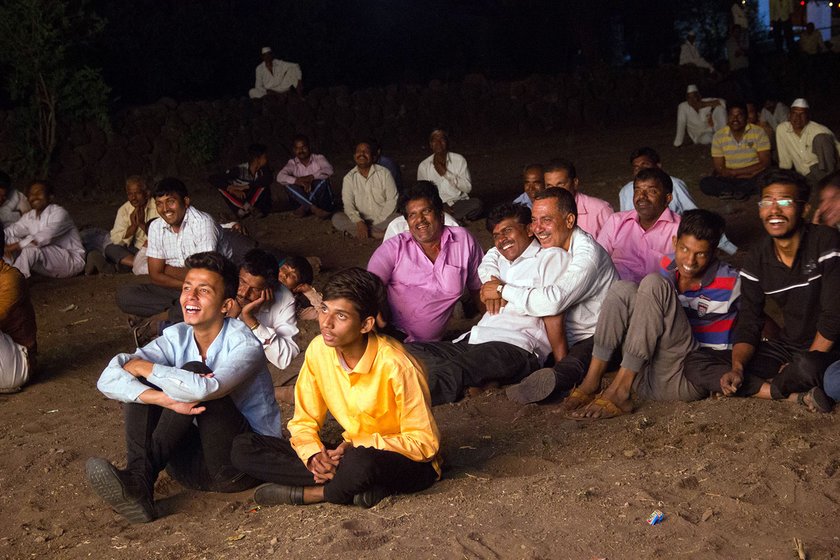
x: 499, y: 288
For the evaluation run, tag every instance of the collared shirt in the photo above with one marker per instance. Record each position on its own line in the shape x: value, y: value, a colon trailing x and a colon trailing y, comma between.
x: 524, y: 200
x: 711, y: 305
x: 235, y: 357
x: 693, y: 122
x: 741, y: 154
x: 277, y: 328
x: 455, y: 184
x: 241, y: 175
x: 17, y: 316
x: 422, y: 293
x: 690, y: 55
x: 383, y: 402
x: 283, y: 75
x: 634, y: 251
x: 53, y: 227
x: 198, y: 233
x: 371, y: 198
x: 123, y: 221
x: 15, y: 206
x: 534, y: 268
x: 318, y: 167
x: 797, y: 151
x: 806, y: 293
x: 592, y: 213
x: 780, y: 114
x: 579, y: 292
x: 681, y: 202
x: 399, y: 225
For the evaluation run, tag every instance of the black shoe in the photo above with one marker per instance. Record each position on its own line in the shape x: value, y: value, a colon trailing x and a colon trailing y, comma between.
x: 108, y: 482
x: 370, y: 498
x: 270, y: 494
x: 535, y: 388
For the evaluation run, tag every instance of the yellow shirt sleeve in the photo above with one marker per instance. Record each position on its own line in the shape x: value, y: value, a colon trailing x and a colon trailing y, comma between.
x: 310, y: 411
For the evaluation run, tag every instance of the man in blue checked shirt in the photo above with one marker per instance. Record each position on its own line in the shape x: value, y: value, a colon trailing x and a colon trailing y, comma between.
x: 187, y: 394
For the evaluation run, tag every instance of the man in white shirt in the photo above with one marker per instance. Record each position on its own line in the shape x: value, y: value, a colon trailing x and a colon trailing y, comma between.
x: 689, y: 55
x: 266, y: 307
x: 275, y: 76
x: 180, y: 232
x: 804, y: 145
x: 13, y: 203
x: 699, y: 116
x: 128, y: 236
x: 450, y: 173
x: 577, y: 293
x: 506, y: 346
x: 773, y: 113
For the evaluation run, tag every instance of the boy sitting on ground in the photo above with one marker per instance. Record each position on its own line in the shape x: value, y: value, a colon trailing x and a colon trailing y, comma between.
x: 373, y: 389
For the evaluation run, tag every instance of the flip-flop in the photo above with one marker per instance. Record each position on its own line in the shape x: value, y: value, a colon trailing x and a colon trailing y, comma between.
x: 609, y: 408
x: 576, y: 400
x: 819, y: 400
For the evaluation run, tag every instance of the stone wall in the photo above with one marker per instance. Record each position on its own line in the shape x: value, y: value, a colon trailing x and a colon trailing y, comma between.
x: 155, y: 139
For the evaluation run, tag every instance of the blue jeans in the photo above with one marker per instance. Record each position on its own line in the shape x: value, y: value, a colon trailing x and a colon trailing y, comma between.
x: 831, y: 381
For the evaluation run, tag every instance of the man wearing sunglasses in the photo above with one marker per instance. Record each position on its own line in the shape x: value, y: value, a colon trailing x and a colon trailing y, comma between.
x: 798, y: 267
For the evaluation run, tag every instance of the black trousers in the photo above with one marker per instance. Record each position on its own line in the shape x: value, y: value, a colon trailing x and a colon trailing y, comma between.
x: 146, y: 300
x: 454, y: 366
x: 805, y: 369
x: 195, y: 454
x: 571, y: 370
x: 361, y: 468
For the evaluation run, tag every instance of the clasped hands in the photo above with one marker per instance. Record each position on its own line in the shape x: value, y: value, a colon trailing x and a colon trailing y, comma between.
x: 323, y: 464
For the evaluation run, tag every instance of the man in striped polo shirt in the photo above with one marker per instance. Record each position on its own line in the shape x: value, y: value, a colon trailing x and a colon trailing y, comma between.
x: 740, y: 151
x: 691, y: 303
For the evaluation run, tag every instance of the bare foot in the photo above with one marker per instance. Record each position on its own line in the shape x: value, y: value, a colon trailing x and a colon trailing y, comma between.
x: 472, y: 392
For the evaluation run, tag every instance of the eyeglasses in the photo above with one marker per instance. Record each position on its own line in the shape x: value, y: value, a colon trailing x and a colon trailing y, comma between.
x: 781, y: 202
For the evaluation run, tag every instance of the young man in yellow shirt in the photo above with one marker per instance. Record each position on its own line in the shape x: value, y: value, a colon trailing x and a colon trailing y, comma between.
x: 374, y: 390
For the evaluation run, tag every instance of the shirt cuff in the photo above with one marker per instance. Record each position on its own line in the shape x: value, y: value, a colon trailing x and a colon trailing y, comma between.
x: 264, y: 334
x: 26, y: 241
x: 306, y: 450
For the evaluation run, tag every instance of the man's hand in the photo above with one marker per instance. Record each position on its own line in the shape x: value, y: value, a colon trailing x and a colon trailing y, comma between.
x: 301, y: 288
x: 237, y: 191
x: 490, y: 296
x: 362, y: 230
x: 305, y: 182
x: 266, y: 296
x: 10, y: 250
x: 337, y: 453
x: 730, y: 382
x: 235, y: 309
x: 186, y: 408
x: 322, y: 466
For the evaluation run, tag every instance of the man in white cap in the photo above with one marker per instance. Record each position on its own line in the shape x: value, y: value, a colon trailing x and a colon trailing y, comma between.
x: 275, y: 76
x: 689, y: 55
x: 701, y: 116
x: 809, y: 147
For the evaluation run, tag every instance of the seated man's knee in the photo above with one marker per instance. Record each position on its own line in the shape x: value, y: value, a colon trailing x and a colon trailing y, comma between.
x: 622, y: 289
x: 831, y: 381
x: 654, y: 284
x: 361, y: 461
x: 811, y: 365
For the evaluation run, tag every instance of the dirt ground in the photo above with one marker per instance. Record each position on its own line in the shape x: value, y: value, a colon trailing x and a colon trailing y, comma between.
x: 734, y: 478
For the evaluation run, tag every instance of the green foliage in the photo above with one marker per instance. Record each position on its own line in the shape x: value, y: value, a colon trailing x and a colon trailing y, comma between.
x: 42, y: 43
x: 202, y: 142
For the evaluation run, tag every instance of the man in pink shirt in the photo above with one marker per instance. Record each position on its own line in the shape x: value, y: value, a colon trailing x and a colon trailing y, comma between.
x: 592, y: 212
x: 307, y: 180
x: 638, y: 239
x: 426, y: 268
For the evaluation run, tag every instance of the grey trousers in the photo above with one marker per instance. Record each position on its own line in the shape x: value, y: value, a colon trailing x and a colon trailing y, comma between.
x: 825, y: 150
x: 649, y: 325
x: 341, y: 222
x: 461, y: 210
x: 146, y: 300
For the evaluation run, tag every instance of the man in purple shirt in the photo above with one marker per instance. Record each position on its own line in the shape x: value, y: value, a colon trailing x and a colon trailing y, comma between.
x: 307, y: 180
x: 637, y: 239
x: 426, y: 268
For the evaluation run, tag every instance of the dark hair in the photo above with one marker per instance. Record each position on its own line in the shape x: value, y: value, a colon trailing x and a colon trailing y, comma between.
x: 255, y: 151
x: 564, y: 199
x: 362, y: 288
x: 736, y: 105
x: 169, y: 186
x: 5, y: 180
x: 260, y: 263
x: 304, y: 269
x: 704, y: 225
x: 533, y: 166
x: 785, y: 177
x: 655, y: 174
x: 507, y: 210
x: 559, y: 164
x: 301, y: 138
x: 832, y: 180
x: 49, y: 190
x: 417, y: 191
x: 372, y: 144
x: 221, y: 265
x: 646, y: 152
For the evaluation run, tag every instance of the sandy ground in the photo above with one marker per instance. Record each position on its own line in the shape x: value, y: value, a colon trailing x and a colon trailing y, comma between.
x: 734, y: 478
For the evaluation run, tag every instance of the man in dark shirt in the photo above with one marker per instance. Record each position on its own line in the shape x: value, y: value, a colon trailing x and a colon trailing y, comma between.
x: 798, y: 267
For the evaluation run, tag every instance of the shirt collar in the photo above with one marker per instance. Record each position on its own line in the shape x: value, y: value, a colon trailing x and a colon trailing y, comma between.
x: 529, y: 252
x: 366, y: 362
x: 708, y: 276
x: 183, y: 222
x: 666, y: 216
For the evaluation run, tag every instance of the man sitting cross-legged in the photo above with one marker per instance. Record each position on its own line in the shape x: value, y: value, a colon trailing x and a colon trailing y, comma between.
x: 266, y: 307
x: 797, y: 266
x: 187, y: 395
x: 506, y: 346
x: 246, y: 188
x: 129, y: 234
x: 576, y: 296
x: 306, y: 178
x: 655, y: 324
x: 373, y: 389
